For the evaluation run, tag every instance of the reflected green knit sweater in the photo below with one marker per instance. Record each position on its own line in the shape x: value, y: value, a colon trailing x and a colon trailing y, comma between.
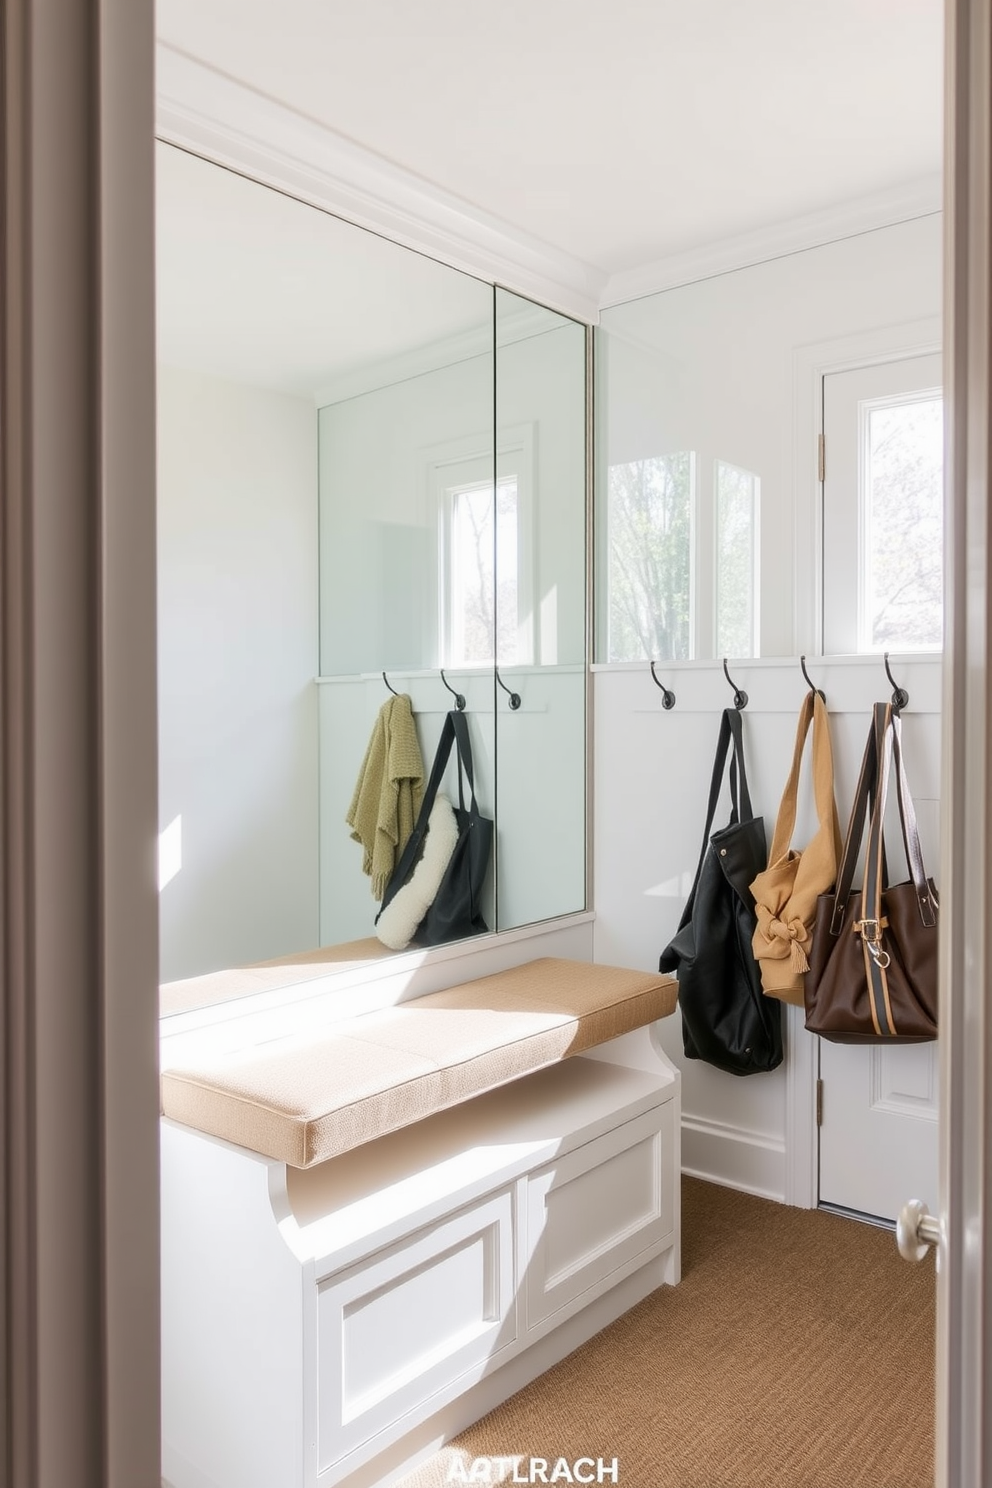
x: 388, y: 792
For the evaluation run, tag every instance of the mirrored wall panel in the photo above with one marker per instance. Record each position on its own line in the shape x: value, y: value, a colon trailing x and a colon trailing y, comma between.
x: 407, y: 560
x: 348, y: 544
x: 540, y: 544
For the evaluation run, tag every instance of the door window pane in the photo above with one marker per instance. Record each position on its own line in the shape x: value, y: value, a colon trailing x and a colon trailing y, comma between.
x: 902, y: 571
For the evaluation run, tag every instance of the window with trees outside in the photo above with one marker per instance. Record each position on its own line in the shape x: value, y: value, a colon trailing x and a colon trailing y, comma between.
x: 681, y: 559
x: 883, y: 465
x: 649, y: 533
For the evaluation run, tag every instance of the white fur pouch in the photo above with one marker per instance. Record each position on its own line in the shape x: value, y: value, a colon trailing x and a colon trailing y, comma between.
x: 397, y: 923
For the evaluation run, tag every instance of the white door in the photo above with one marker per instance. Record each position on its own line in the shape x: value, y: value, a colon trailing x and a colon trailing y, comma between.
x: 882, y: 536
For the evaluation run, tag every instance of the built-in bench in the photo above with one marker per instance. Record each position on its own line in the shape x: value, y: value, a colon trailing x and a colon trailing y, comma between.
x: 377, y: 1228
x: 310, y: 1097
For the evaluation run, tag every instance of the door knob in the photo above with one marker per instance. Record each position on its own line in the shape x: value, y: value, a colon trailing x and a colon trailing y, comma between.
x: 916, y: 1228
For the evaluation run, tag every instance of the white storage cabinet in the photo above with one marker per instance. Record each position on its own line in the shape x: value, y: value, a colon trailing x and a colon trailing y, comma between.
x: 334, y: 1325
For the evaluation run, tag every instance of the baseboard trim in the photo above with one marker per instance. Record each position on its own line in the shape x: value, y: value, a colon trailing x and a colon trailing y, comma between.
x: 734, y: 1157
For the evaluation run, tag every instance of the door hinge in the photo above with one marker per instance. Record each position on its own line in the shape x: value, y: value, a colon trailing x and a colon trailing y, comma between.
x: 821, y: 458
x: 819, y: 1102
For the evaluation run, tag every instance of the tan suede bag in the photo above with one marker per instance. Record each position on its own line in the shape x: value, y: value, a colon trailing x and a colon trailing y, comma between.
x: 785, y: 894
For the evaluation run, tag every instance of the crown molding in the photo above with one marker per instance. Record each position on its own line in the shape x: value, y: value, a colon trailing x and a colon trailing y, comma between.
x: 920, y: 198
x: 202, y: 109
x: 524, y: 323
x: 407, y: 364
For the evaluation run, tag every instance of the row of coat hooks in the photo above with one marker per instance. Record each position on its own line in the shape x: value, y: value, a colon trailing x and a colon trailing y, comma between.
x: 900, y: 697
x: 460, y: 697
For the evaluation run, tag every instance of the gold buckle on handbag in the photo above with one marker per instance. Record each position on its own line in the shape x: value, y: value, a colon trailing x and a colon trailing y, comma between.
x: 871, y: 933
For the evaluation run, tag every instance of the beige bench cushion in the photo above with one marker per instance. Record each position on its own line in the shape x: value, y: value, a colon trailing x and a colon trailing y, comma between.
x: 312, y: 1096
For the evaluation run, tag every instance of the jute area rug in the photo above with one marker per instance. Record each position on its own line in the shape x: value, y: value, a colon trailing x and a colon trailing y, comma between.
x: 797, y: 1352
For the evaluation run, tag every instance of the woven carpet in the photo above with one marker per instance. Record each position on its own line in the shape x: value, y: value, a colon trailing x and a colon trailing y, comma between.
x: 797, y: 1352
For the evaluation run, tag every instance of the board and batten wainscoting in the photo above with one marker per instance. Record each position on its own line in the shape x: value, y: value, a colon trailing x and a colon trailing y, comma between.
x: 653, y: 771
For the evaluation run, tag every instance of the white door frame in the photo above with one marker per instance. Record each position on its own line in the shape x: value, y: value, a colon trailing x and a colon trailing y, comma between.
x: 964, y: 1298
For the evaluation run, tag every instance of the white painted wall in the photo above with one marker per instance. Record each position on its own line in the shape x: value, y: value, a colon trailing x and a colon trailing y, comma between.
x: 652, y: 779
x: 237, y: 574
x: 715, y: 367
x: 723, y: 367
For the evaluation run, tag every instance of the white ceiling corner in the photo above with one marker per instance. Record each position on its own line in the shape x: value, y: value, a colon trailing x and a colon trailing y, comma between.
x: 577, y: 153
x: 201, y: 109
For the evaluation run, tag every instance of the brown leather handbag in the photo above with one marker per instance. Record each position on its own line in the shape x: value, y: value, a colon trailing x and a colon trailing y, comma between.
x: 873, y: 963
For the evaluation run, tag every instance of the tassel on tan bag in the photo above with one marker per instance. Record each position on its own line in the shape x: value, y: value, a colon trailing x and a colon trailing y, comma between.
x: 785, y: 893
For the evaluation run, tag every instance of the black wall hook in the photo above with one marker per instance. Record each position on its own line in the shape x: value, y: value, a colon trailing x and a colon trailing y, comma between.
x: 514, y: 696
x: 900, y: 697
x: 459, y: 699
x: 667, y: 696
x: 818, y: 690
x: 389, y: 685
x: 740, y: 697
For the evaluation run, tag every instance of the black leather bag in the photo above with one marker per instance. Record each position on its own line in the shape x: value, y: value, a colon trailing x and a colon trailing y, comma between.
x: 456, y: 911
x: 726, y: 1020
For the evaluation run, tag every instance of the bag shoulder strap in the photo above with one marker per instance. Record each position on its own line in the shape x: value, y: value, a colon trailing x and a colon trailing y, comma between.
x: 730, y: 733
x: 464, y: 747
x: 454, y: 731
x: 883, y: 748
x: 740, y: 796
x: 911, y: 831
x: 866, y: 786
x: 813, y: 711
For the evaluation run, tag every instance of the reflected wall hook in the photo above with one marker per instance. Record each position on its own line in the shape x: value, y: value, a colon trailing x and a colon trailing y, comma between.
x: 389, y: 685
x: 812, y: 688
x: 459, y: 699
x: 514, y: 696
x: 740, y: 697
x: 667, y: 696
x: 900, y: 697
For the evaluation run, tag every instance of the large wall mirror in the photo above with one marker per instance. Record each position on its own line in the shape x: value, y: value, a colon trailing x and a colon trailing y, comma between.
x: 371, y: 469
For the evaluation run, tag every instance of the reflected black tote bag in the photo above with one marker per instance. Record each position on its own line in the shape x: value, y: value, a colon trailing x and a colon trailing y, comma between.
x: 456, y: 910
x: 726, y: 1020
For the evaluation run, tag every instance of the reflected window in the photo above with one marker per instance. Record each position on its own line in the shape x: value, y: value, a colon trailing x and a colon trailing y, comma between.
x: 737, y: 498
x: 902, y: 532
x: 482, y: 568
x: 485, y: 553
x: 649, y: 534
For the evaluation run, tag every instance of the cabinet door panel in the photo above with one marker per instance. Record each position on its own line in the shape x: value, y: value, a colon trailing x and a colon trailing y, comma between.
x: 595, y: 1212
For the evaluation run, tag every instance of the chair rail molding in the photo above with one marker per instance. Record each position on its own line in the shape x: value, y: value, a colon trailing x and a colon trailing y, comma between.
x: 214, y: 115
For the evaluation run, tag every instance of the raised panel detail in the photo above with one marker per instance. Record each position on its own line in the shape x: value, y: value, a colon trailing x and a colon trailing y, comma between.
x: 903, y: 1079
x: 594, y: 1210
x: 400, y: 1326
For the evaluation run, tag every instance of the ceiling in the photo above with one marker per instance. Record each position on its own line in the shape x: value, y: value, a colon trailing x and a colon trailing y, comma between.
x: 621, y: 133
x: 256, y: 287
